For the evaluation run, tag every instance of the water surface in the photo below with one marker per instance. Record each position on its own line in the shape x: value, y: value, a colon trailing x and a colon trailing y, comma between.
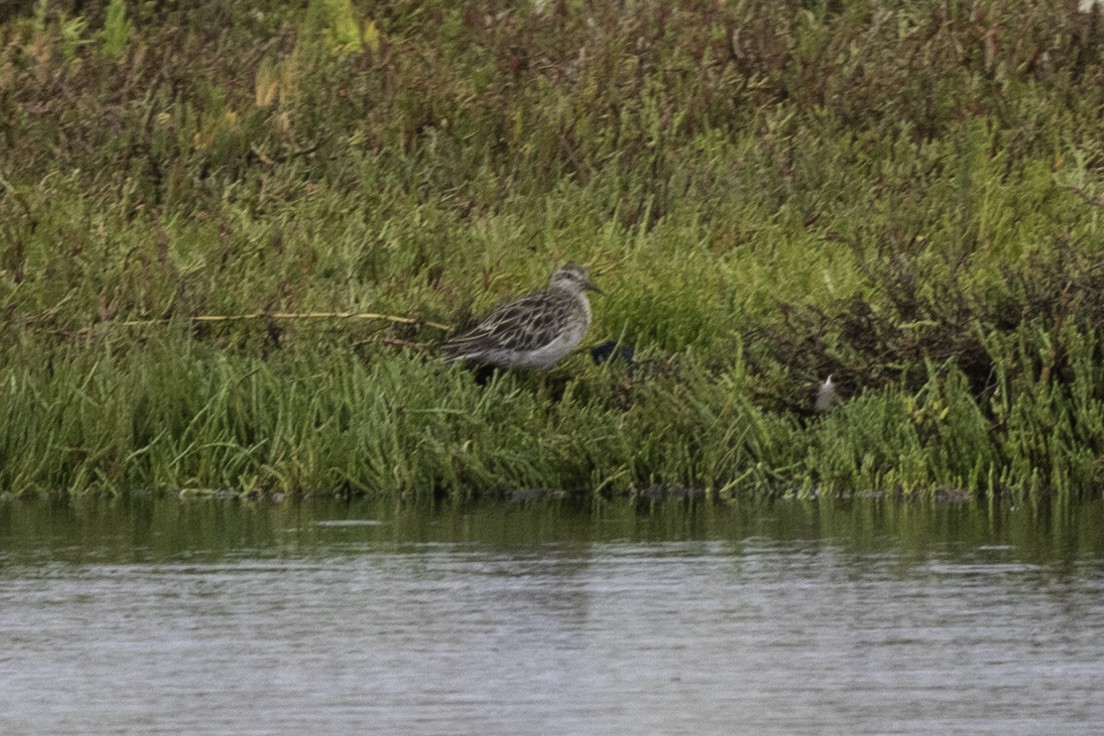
x: 860, y: 618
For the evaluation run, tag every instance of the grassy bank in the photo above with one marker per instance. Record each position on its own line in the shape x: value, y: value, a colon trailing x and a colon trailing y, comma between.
x: 906, y: 196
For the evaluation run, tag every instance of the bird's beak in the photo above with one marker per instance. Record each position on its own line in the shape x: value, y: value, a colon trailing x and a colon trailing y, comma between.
x: 591, y: 287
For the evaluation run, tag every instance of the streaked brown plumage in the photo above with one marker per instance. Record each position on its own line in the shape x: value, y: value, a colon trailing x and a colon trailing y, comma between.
x: 533, y: 331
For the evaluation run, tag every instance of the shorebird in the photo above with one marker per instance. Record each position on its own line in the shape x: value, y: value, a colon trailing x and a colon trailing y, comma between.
x: 827, y: 396
x: 533, y: 331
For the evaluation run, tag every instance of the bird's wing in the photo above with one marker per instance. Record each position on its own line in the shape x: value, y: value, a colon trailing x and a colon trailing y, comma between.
x: 527, y: 323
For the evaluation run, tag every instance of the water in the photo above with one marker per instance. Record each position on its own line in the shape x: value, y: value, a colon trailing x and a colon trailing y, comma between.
x: 863, y: 618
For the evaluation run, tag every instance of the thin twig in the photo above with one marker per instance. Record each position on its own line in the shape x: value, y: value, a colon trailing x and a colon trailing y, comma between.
x: 290, y: 316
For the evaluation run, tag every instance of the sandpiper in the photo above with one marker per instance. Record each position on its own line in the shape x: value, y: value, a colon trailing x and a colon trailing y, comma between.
x: 827, y: 396
x: 533, y: 331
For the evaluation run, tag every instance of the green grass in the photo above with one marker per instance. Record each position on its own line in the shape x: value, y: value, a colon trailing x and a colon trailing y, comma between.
x: 906, y: 196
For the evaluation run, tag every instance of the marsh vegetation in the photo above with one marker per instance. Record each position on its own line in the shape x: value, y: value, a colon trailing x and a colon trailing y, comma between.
x: 905, y: 196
